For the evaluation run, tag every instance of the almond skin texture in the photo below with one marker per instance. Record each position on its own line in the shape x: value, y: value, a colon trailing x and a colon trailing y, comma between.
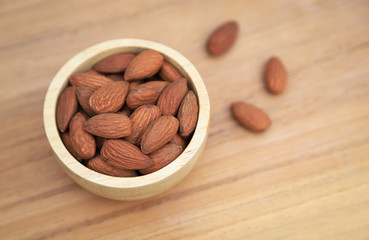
x: 67, y: 107
x: 169, y: 73
x: 109, y: 125
x: 83, y: 95
x: 251, y: 116
x: 89, y: 79
x: 122, y: 154
x: 144, y: 65
x: 159, y: 133
x: 141, y: 119
x: 115, y: 77
x: 109, y: 98
x: 83, y: 142
x: 115, y: 63
x: 172, y: 96
x: 178, y: 140
x: 134, y: 84
x: 68, y: 144
x: 222, y: 38
x: 187, y: 114
x: 146, y: 93
x: 275, y: 75
x: 163, y: 157
x: 98, y: 164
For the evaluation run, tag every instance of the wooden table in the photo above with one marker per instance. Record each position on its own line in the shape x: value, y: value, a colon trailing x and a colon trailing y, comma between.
x: 307, y: 177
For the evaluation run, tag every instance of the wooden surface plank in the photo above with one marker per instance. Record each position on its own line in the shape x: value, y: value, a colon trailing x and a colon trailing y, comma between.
x: 304, y: 178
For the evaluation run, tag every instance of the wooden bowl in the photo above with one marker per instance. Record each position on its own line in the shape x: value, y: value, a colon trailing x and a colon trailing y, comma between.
x: 135, y: 187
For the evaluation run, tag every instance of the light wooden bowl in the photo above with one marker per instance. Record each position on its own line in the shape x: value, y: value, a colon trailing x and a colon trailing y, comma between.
x: 136, y: 187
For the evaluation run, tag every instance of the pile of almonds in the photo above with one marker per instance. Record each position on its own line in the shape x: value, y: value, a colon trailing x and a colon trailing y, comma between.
x: 130, y: 115
x: 275, y: 76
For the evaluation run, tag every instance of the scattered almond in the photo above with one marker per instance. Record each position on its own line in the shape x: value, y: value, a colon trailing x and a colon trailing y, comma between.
x: 250, y: 116
x: 222, y: 38
x: 275, y: 75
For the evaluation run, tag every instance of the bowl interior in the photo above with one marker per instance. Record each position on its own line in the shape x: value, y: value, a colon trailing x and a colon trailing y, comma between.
x: 86, y: 60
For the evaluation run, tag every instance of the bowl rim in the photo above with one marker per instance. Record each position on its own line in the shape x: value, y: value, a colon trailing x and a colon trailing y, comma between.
x: 59, y: 82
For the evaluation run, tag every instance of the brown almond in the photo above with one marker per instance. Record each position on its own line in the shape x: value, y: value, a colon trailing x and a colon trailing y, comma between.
x: 250, y: 116
x: 169, y: 73
x: 141, y: 119
x: 67, y: 107
x: 134, y: 84
x: 109, y: 125
x: 144, y: 65
x: 89, y: 79
x: 159, y: 133
x: 162, y: 157
x: 115, y: 63
x: 188, y: 114
x: 83, y: 142
x: 275, y: 75
x: 171, y: 97
x: 115, y: 77
x: 98, y: 164
x: 68, y: 144
x: 83, y: 95
x: 178, y: 140
x: 109, y: 98
x: 222, y: 38
x: 122, y: 154
x: 146, y: 93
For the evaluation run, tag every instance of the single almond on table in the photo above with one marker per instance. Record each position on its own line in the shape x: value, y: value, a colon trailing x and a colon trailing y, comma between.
x: 222, y: 38
x: 98, y: 164
x: 250, y: 116
x: 188, y: 114
x: 141, y: 119
x: 134, y: 84
x: 144, y: 65
x: 171, y: 97
x: 66, y: 108
x: 83, y: 95
x: 146, y: 93
x: 122, y: 154
x: 162, y: 157
x: 275, y: 75
x: 159, y: 133
x: 68, y: 144
x: 115, y: 77
x: 169, y: 73
x: 90, y: 79
x: 178, y: 140
x: 83, y: 142
x: 114, y: 63
x: 109, y: 98
x: 109, y: 125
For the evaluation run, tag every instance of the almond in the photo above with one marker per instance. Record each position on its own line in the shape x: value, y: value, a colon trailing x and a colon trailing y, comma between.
x: 98, y: 164
x: 160, y: 132
x: 188, y: 114
x: 134, y: 84
x: 83, y: 95
x: 109, y: 125
x: 222, y: 38
x: 275, y: 75
x: 141, y: 119
x: 89, y: 79
x: 162, y: 157
x: 146, y: 93
x: 144, y: 65
x: 109, y: 98
x: 83, y: 142
x: 124, y: 155
x: 171, y: 97
x: 67, y: 107
x: 115, y: 77
x: 115, y: 63
x: 169, y: 73
x: 68, y: 144
x: 250, y: 116
x: 178, y: 140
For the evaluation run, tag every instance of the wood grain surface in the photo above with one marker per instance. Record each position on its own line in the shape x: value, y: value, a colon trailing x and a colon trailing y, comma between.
x: 304, y: 178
